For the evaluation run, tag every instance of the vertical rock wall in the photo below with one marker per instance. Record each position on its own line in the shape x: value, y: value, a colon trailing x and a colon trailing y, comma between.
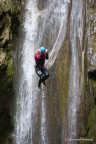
x: 88, y: 130
x: 9, y: 21
x: 58, y: 84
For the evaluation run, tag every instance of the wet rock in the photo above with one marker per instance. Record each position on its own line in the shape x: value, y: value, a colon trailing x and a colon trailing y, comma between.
x: 9, y: 22
x: 2, y: 58
x: 89, y: 106
x: 5, y: 5
x: 92, y: 36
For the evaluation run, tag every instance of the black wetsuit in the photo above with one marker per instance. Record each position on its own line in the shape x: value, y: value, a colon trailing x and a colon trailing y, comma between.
x: 41, y: 71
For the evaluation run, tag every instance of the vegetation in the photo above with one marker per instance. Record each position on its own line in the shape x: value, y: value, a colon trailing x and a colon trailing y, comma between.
x: 9, y: 21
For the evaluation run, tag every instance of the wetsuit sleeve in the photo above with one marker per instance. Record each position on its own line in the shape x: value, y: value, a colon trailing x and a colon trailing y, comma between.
x: 35, y: 58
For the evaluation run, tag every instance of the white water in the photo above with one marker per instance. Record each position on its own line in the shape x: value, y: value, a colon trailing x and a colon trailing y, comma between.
x: 26, y: 95
x: 60, y: 14
x: 61, y: 8
x: 76, y: 35
x: 44, y: 137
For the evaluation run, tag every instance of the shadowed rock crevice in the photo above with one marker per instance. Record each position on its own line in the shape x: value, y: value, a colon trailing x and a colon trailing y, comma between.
x: 92, y: 75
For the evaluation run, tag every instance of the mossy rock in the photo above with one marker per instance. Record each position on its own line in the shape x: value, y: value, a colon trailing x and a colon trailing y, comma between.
x: 10, y: 71
x: 6, y: 98
x: 9, y: 5
x: 92, y: 124
x: 92, y: 118
x: 2, y: 57
x: 5, y: 5
x: 9, y: 22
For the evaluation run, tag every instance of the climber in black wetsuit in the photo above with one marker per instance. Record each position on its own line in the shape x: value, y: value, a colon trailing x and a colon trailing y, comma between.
x: 42, y: 72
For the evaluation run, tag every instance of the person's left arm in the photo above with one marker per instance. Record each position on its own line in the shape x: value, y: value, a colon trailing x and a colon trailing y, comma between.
x: 47, y: 55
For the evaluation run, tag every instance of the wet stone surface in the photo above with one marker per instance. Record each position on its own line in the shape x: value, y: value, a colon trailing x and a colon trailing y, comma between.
x: 92, y: 37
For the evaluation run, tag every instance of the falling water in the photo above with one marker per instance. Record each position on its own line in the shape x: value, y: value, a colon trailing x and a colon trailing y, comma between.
x: 59, y: 17
x: 54, y: 26
x: 76, y: 35
x: 26, y: 91
x: 44, y: 136
x: 37, y: 26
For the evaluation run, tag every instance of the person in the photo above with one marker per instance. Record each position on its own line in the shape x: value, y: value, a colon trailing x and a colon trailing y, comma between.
x: 40, y: 57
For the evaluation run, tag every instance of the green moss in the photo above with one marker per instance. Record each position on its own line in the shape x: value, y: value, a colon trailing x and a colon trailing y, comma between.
x: 83, y: 131
x: 59, y: 84
x: 88, y: 127
x: 92, y: 10
x: 5, y: 5
x: 63, y: 77
x: 92, y: 123
x: 51, y: 99
x: 10, y: 68
x: 92, y: 118
x: 9, y: 22
x: 6, y: 97
x: 10, y: 5
x: 92, y: 83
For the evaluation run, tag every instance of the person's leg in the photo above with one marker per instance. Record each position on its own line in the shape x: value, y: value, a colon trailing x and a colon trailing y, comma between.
x: 41, y: 80
x: 39, y: 83
x: 39, y: 73
x: 45, y: 75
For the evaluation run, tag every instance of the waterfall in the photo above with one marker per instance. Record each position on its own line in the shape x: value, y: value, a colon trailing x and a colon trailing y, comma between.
x: 76, y: 38
x: 26, y: 92
x: 61, y: 11
x: 44, y: 136
x: 54, y: 29
x: 46, y: 27
x: 54, y: 26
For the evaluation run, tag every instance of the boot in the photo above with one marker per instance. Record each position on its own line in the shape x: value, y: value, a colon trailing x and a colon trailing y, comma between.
x: 44, y: 83
x: 39, y: 84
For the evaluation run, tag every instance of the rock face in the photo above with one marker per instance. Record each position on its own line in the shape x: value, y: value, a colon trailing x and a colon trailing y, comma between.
x: 92, y: 35
x: 58, y: 86
x: 65, y: 89
x: 89, y: 107
x: 9, y: 20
